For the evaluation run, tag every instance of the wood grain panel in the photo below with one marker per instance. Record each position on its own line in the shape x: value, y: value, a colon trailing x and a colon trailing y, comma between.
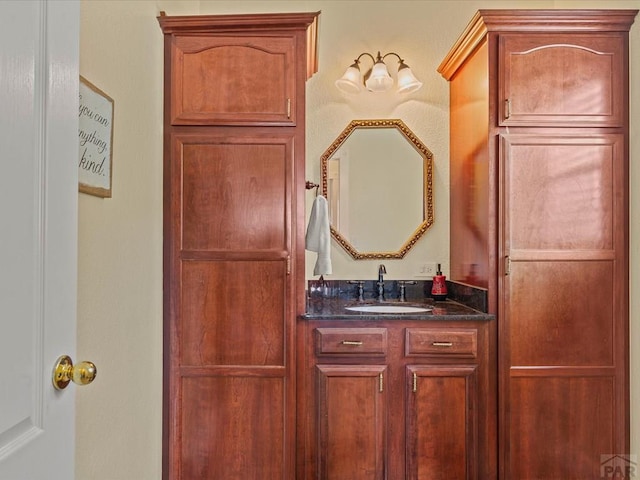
x: 551, y: 322
x: 471, y: 224
x: 234, y: 194
x: 224, y: 423
x: 351, y: 341
x: 560, y: 192
x: 230, y: 78
x: 562, y: 79
x: 562, y: 426
x: 352, y: 422
x: 439, y: 342
x: 441, y: 422
x: 233, y: 313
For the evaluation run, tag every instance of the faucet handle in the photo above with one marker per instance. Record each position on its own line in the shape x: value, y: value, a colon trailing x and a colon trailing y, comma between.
x: 402, y: 284
x: 381, y: 272
x: 360, y: 288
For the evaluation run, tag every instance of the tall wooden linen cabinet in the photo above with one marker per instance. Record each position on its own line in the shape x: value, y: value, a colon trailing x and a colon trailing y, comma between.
x: 539, y: 201
x: 234, y: 138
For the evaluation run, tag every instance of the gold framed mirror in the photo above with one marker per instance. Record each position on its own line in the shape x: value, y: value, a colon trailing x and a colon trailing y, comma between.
x: 377, y: 179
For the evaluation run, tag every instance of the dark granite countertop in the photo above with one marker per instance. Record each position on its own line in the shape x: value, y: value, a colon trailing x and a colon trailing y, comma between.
x: 323, y: 308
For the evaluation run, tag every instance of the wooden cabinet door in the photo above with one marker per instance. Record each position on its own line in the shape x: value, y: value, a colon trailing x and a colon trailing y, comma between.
x: 232, y: 306
x: 441, y: 412
x: 352, y: 422
x: 564, y: 314
x: 562, y: 79
x: 233, y: 80
x: 234, y: 193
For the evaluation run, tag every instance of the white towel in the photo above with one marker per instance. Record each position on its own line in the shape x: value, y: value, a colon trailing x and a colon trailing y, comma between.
x: 318, y: 238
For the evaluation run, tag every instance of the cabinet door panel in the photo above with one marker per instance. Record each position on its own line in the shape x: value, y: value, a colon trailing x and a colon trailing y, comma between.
x: 564, y: 304
x: 352, y: 422
x: 560, y: 79
x: 229, y: 318
x: 562, y: 225
x: 560, y: 192
x: 550, y: 322
x: 235, y: 191
x: 562, y: 427
x: 220, y: 79
x: 232, y: 428
x: 441, y: 422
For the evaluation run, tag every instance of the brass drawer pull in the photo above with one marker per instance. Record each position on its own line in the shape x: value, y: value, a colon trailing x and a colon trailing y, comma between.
x: 442, y: 344
x: 351, y: 342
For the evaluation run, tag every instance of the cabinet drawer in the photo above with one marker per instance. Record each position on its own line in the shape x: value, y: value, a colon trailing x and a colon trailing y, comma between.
x: 429, y: 342
x: 351, y: 341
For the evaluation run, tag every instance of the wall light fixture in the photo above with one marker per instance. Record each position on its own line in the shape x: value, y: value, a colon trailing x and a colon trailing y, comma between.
x: 377, y: 78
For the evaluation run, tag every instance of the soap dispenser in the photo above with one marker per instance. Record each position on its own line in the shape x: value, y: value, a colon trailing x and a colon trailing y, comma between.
x: 439, y: 287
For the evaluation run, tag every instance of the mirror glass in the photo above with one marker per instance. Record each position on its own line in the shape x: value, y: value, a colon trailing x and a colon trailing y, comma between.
x: 377, y: 178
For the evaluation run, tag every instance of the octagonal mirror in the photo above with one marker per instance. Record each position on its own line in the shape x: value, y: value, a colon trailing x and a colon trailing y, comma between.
x: 377, y: 179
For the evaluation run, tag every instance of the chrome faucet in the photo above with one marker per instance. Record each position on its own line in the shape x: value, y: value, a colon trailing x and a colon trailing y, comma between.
x: 381, y: 271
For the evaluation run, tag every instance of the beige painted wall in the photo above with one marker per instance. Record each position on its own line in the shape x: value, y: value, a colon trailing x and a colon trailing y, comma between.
x: 120, y: 239
x: 120, y: 250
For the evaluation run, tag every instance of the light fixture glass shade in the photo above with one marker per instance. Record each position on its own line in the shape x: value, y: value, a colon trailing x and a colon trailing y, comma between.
x: 351, y: 81
x: 379, y: 80
x: 407, y: 82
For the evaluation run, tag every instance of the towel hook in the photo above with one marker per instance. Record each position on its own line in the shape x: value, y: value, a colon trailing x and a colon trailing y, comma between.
x: 309, y: 185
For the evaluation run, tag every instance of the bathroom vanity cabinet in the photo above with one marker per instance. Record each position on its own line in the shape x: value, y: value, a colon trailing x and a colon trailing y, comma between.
x: 539, y: 201
x: 395, y: 399
x: 234, y: 140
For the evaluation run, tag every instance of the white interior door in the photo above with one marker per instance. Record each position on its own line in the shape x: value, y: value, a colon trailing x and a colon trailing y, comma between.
x: 38, y: 234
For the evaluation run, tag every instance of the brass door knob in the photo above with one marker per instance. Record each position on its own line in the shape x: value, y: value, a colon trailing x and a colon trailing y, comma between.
x: 64, y: 372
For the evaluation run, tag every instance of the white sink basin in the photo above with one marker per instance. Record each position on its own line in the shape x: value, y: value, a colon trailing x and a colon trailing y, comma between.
x: 387, y: 309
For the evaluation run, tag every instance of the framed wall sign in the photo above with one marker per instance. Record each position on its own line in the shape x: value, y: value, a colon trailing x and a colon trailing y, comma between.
x: 95, y: 136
